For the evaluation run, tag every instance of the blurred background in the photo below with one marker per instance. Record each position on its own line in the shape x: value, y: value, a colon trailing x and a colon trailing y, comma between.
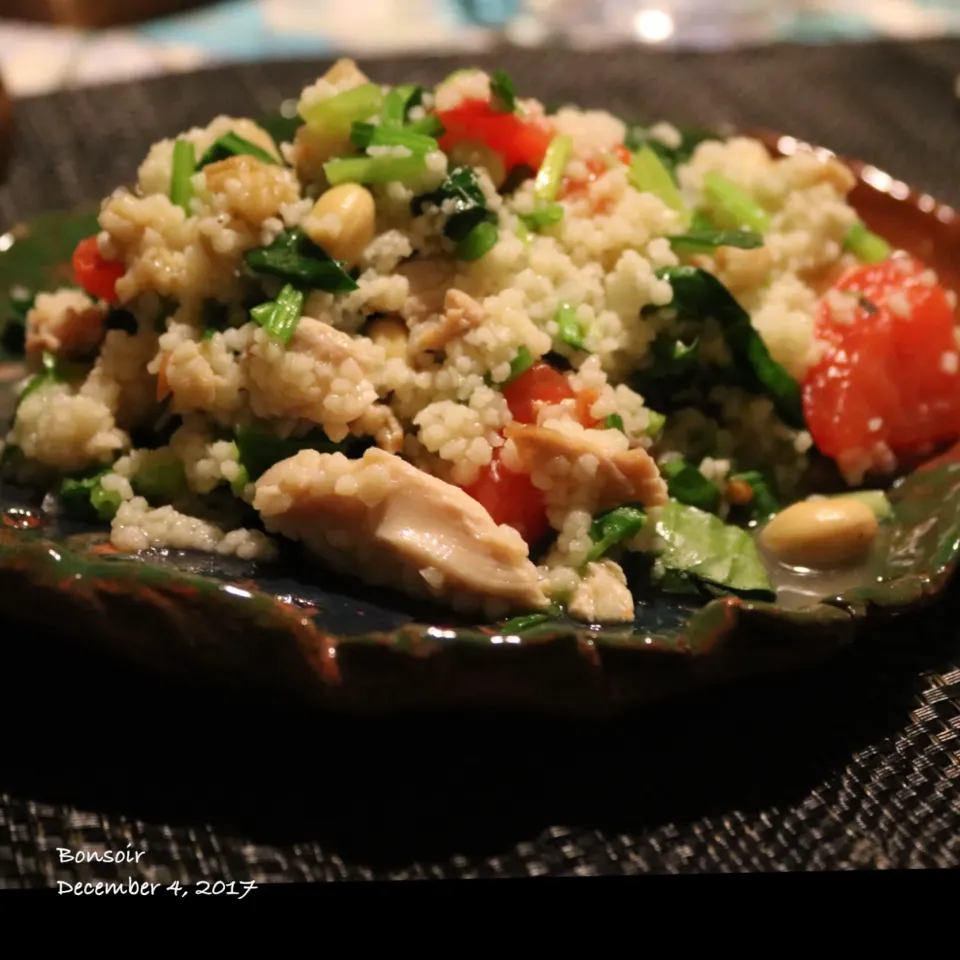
x: 47, y: 45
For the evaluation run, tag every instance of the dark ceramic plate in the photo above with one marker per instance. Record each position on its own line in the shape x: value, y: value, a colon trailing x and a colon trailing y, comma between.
x: 290, y: 631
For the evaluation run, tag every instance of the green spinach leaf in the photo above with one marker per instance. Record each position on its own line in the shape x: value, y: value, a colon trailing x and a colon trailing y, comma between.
x: 700, y: 547
x: 698, y: 295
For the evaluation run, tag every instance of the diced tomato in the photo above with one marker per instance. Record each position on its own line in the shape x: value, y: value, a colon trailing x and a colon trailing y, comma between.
x: 887, y: 379
x: 511, y: 498
x: 97, y: 275
x: 542, y: 386
x: 518, y: 142
x: 539, y: 386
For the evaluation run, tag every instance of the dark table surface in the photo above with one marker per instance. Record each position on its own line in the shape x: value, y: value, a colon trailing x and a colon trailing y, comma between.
x: 855, y: 764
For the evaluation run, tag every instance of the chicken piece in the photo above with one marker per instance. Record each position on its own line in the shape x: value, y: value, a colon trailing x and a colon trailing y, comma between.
x: 461, y: 313
x: 586, y: 466
x: 429, y: 281
x: 603, y: 595
x: 67, y: 323
x: 381, y: 518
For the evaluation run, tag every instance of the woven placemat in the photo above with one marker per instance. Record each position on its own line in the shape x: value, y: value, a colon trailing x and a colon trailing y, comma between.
x: 852, y: 765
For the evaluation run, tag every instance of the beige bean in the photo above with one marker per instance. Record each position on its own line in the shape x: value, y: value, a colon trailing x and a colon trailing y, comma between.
x: 390, y: 333
x: 820, y: 534
x: 343, y: 222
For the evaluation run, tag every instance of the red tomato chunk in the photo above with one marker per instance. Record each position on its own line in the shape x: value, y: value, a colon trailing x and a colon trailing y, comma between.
x: 97, y: 275
x: 886, y: 385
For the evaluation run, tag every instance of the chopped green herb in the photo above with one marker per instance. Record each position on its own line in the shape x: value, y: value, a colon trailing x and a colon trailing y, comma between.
x: 83, y: 498
x: 523, y: 623
x: 184, y: 164
x: 429, y: 126
x: 697, y: 546
x: 232, y: 145
x: 368, y: 134
x: 523, y: 232
x: 569, y: 329
x: 336, y: 114
x: 688, y: 485
x: 399, y: 102
x: 613, y: 421
x: 546, y: 216
x: 52, y: 373
x: 295, y: 258
x: 373, y: 169
x: 479, y: 242
x: 698, y: 295
x: 547, y: 183
x: 763, y: 503
x: 284, y: 314
x: 670, y: 157
x: 160, y: 478
x: 259, y: 451
x: 239, y: 483
x: 262, y: 313
x: 731, y: 206
x: 503, y: 94
x: 655, y: 423
x: 460, y: 193
x: 608, y: 530
x: 669, y: 367
x: 649, y: 175
x: 866, y: 246
x: 520, y: 364
x: 703, y: 241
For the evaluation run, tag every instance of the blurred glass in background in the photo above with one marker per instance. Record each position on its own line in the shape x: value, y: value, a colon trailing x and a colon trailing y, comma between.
x: 587, y: 23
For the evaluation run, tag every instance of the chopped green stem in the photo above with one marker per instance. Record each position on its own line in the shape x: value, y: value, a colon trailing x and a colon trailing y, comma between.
x: 548, y: 180
x: 398, y: 102
x: 733, y: 206
x: 866, y: 246
x: 239, y: 483
x: 543, y: 217
x: 231, y: 145
x: 284, y: 314
x: 569, y: 329
x: 705, y: 241
x: 520, y: 364
x: 613, y: 421
x: 876, y: 500
x: 184, y: 166
x: 655, y: 423
x: 608, y: 530
x: 430, y: 126
x: 649, y: 175
x: 478, y: 242
x: 523, y: 231
x: 337, y: 113
x: 369, y: 134
x: 373, y: 169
